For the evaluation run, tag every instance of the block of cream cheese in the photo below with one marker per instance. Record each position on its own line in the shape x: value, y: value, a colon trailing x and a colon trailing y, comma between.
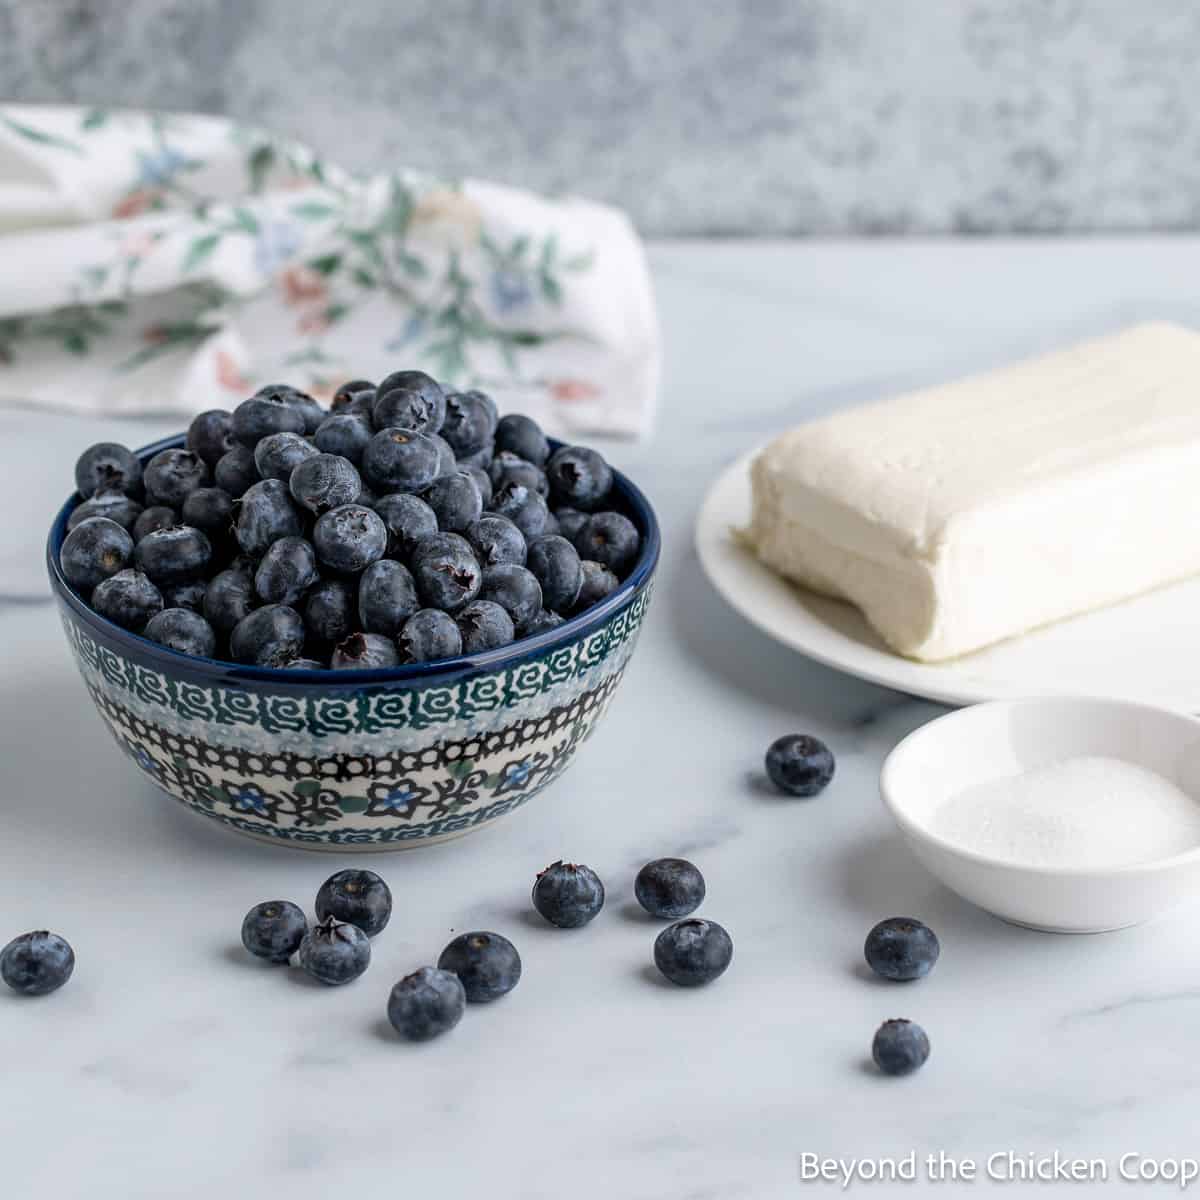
x: 960, y: 515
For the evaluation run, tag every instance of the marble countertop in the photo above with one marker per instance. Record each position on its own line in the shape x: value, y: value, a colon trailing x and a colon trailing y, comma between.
x: 173, y: 1066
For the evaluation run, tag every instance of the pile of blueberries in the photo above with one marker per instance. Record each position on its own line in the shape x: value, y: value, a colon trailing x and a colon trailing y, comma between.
x: 409, y: 523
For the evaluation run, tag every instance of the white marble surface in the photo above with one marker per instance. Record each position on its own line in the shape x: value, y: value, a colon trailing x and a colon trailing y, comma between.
x: 172, y: 1066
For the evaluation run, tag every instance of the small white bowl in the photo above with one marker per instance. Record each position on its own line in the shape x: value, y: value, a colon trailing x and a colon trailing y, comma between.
x: 1006, y: 737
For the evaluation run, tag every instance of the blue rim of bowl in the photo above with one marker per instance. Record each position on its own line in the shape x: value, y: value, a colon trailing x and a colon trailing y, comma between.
x: 632, y: 499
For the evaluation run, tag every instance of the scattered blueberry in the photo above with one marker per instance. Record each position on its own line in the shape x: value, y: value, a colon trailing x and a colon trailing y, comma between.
x: 171, y: 474
x: 484, y: 625
x: 364, y: 652
x: 487, y: 964
x: 496, y: 539
x: 669, y: 887
x: 470, y: 422
x: 229, y: 598
x: 456, y: 501
x: 329, y: 610
x: 522, y: 436
x: 345, y: 434
x: 428, y: 634
x: 358, y: 896
x: 334, y: 952
x: 37, y: 963
x: 598, y: 582
x: 128, y: 599
x: 579, y: 477
x: 555, y: 563
x: 568, y: 894
x: 235, y: 471
x: 157, y: 516
x: 900, y: 1047
x: 93, y: 551
x: 174, y: 554
x: 515, y: 589
x: 107, y: 467
x: 277, y: 456
x: 114, y: 505
x: 268, y: 637
x: 356, y: 396
x: 286, y: 572
x: 610, y: 539
x: 266, y: 513
x: 274, y: 930
x: 210, y: 435
x: 387, y: 597
x: 426, y: 1004
x: 409, y: 400
x: 189, y: 594
x: 523, y: 507
x: 302, y: 402
x: 447, y: 577
x: 508, y: 468
x: 901, y: 948
x: 350, y: 538
x: 209, y: 509
x: 800, y: 764
x: 408, y: 519
x: 183, y: 630
x: 399, y: 460
x: 263, y: 415
x: 693, y: 952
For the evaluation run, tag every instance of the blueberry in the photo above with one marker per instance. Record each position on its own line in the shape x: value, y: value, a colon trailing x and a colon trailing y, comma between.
x: 523, y: 507
x: 799, y: 764
x: 515, y: 589
x: 470, y: 422
x: 522, y: 436
x: 230, y: 598
x: 268, y: 637
x: 570, y: 521
x: 484, y: 625
x: 481, y: 459
x: 209, y: 509
x: 235, y: 471
x: 487, y: 965
x: 568, y: 895
x: 330, y: 610
x: 36, y: 964
x: 598, y: 582
x: 157, y: 516
x: 350, y: 538
x: 364, y: 652
x: 555, y: 563
x: 428, y: 634
x: 93, y: 551
x: 278, y: 455
x: 447, y: 578
x: 274, y: 930
x: 128, y: 599
x: 171, y: 474
x: 335, y: 952
x: 356, y: 396
x: 399, y: 460
x: 357, y: 896
x: 455, y: 500
x: 579, y: 477
x: 483, y: 481
x: 669, y: 887
x: 901, y: 948
x: 264, y: 414
x: 303, y: 664
x: 107, y: 466
x: 266, y: 513
x: 551, y: 527
x: 114, y: 505
x: 286, y: 572
x: 210, y: 435
x: 173, y: 555
x: 345, y: 434
x: 508, y: 468
x: 541, y: 622
x: 301, y: 402
x: 693, y: 952
x: 409, y: 400
x: 426, y: 1004
x: 611, y: 540
x: 183, y: 630
x: 408, y: 519
x: 496, y: 539
x: 189, y: 594
x: 900, y: 1047
x: 447, y: 463
x: 387, y: 597
x: 441, y: 543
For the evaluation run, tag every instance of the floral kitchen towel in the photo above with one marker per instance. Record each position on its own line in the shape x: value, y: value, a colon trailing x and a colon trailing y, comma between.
x: 156, y: 263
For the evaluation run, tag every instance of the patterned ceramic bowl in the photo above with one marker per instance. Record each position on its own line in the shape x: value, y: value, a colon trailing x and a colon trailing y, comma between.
x: 374, y: 759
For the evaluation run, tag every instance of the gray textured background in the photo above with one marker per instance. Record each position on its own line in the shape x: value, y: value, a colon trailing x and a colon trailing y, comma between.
x: 698, y: 116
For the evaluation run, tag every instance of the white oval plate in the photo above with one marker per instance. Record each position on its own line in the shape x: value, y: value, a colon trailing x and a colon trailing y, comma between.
x: 1147, y: 649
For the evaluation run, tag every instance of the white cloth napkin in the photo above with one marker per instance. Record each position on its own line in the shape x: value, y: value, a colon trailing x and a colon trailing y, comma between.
x: 160, y: 263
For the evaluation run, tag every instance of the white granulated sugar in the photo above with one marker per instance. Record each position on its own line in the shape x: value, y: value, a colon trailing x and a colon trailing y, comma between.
x: 1082, y: 812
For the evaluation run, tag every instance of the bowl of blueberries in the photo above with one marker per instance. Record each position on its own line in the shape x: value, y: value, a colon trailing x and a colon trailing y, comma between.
x: 381, y: 624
